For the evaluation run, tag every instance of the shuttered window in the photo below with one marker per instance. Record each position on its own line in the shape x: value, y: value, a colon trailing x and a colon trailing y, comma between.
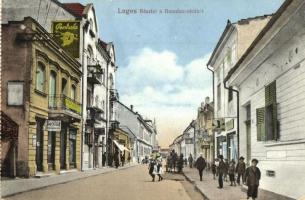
x: 260, y: 121
x: 271, y: 123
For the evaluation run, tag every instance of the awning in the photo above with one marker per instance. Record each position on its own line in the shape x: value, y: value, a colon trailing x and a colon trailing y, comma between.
x: 121, y: 147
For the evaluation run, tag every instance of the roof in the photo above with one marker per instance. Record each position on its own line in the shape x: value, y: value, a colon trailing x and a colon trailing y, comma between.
x: 76, y: 8
x: 230, y: 26
x: 268, y: 26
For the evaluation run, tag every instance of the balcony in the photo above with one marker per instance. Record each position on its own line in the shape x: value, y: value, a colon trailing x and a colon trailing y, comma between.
x: 114, y: 95
x: 63, y: 106
x: 95, y: 74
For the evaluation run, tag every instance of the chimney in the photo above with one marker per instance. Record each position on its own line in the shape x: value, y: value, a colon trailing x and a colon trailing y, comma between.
x: 207, y: 100
x: 131, y: 107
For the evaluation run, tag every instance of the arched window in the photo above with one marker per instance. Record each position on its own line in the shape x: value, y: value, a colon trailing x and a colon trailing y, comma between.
x: 40, y: 77
x: 64, y: 86
x: 52, y: 89
x: 73, y: 92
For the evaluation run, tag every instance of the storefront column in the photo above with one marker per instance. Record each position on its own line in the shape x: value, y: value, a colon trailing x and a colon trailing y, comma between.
x: 78, y: 148
x: 57, y: 152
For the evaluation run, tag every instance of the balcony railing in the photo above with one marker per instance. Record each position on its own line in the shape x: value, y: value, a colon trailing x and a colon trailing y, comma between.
x: 62, y: 102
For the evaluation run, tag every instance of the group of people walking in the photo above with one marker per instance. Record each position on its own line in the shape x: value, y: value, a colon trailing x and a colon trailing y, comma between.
x: 174, y: 163
x: 249, y: 176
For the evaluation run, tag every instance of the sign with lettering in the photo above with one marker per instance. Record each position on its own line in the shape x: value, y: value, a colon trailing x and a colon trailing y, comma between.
x: 67, y: 35
x: 53, y: 125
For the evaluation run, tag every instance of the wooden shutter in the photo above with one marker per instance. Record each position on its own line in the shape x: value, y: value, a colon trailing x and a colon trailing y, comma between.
x: 270, y: 94
x: 260, y: 121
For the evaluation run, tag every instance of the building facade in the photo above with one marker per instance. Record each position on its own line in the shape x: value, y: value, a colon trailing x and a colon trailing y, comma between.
x: 234, y: 41
x: 270, y: 79
x: 205, y: 131
x: 44, y: 100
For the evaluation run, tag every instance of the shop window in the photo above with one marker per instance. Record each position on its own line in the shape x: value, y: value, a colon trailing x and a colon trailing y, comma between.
x: 40, y: 77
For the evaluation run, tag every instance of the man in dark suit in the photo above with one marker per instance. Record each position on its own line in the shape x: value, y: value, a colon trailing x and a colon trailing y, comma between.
x: 200, y: 164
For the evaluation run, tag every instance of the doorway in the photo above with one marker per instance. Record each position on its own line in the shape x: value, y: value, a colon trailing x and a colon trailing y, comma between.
x: 39, y: 143
x: 51, y: 149
x: 248, y: 132
x: 63, y: 146
x: 72, y: 146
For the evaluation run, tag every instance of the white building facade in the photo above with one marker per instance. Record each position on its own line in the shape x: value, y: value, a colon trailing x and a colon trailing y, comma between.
x: 234, y: 41
x: 271, y: 81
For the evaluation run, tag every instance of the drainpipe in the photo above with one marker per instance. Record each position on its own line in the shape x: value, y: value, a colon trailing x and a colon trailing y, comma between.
x: 214, y: 145
x: 237, y: 94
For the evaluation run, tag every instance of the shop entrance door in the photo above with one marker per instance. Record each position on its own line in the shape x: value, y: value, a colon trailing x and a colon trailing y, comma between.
x: 63, y: 146
x: 72, y: 144
x: 39, y: 144
x: 51, y: 149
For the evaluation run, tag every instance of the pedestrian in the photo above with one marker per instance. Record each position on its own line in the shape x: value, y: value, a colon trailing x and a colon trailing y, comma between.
x: 240, y: 169
x: 231, y: 171
x: 129, y: 158
x: 225, y: 175
x: 116, y: 159
x: 180, y: 163
x: 221, y: 170
x: 158, y: 169
x: 104, y: 159
x: 168, y: 165
x: 252, y: 177
x: 122, y: 159
x: 200, y: 165
x: 185, y: 162
x: 214, y: 169
x: 174, y: 161
x: 191, y: 160
x: 151, y: 167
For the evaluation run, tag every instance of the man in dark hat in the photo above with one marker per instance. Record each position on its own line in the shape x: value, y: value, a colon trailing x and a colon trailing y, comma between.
x: 221, y: 171
x: 240, y: 169
x: 200, y: 164
x: 252, y: 177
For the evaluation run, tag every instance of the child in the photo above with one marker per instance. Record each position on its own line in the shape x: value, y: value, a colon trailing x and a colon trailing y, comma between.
x: 232, y: 172
x: 158, y: 170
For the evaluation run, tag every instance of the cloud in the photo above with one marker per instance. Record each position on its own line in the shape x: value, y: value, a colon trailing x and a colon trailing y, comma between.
x: 160, y: 88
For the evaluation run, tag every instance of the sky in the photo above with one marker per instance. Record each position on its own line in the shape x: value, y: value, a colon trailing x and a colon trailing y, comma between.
x: 162, y: 56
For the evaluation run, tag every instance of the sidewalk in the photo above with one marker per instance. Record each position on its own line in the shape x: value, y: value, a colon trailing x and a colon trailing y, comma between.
x: 208, y: 188
x: 14, y: 186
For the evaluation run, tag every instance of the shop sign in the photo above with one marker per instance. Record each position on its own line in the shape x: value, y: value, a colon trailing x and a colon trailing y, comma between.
x: 70, y: 104
x: 67, y: 35
x: 230, y: 124
x: 53, y: 125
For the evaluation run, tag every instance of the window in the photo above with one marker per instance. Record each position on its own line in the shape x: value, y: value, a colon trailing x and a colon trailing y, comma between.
x: 267, y: 124
x: 52, y: 89
x: 40, y: 77
x: 64, y: 86
x: 219, y: 97
x: 230, y: 94
x: 260, y: 123
x: 73, y: 92
x: 271, y: 112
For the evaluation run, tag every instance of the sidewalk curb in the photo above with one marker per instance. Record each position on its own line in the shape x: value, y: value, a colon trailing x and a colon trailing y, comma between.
x: 196, y: 186
x: 64, y: 182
